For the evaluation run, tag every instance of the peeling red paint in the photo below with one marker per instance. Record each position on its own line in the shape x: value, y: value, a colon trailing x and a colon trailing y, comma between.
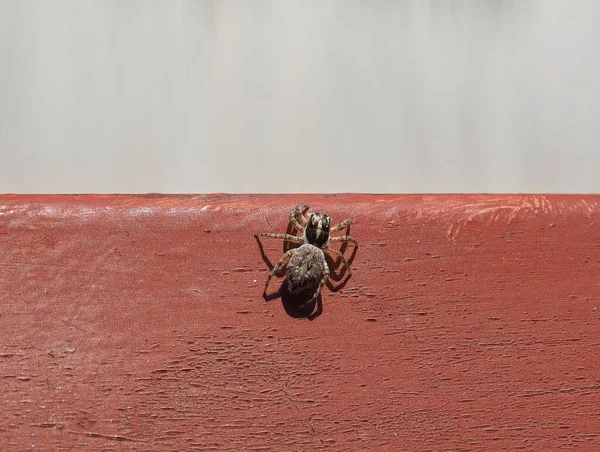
x: 469, y: 322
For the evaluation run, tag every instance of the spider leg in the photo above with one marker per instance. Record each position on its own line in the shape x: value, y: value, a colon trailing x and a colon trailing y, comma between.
x: 321, y: 284
x: 344, y: 238
x: 286, y: 237
x: 297, y: 217
x: 344, y: 224
x: 341, y: 256
x: 276, y: 267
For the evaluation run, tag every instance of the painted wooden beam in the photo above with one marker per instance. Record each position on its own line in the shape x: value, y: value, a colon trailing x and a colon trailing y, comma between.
x: 138, y: 322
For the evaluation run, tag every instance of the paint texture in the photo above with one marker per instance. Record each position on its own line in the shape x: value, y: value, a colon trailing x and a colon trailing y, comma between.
x: 137, y: 322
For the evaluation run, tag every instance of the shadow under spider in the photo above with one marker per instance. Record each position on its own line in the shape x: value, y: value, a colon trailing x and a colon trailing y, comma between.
x: 297, y: 305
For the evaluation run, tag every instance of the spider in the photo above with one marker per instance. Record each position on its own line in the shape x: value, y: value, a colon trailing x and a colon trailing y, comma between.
x: 307, y: 268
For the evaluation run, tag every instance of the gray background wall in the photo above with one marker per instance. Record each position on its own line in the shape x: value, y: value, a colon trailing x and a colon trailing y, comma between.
x: 299, y: 96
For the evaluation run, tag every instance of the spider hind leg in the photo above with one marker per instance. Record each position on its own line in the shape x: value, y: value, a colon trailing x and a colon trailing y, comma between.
x: 341, y: 256
x: 277, y: 266
x: 344, y: 238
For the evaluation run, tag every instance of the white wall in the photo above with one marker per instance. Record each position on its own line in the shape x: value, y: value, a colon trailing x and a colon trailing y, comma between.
x: 299, y: 96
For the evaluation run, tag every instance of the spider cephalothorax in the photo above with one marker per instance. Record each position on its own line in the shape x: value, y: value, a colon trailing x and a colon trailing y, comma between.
x: 307, y: 268
x: 316, y: 231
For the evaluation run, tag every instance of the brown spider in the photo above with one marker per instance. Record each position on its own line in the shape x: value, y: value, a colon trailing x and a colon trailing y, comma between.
x: 307, y: 268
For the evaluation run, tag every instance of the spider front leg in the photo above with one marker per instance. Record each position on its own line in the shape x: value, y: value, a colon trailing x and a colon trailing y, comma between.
x: 277, y: 266
x: 286, y: 237
x: 344, y: 224
x: 297, y: 217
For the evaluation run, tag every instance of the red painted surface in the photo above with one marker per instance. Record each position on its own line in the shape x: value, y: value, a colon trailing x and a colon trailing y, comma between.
x: 137, y: 322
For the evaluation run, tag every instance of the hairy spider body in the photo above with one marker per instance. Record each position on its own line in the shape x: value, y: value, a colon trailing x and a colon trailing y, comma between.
x: 307, y: 267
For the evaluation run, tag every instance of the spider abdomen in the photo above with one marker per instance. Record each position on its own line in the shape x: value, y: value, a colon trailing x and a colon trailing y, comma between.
x: 306, y: 268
